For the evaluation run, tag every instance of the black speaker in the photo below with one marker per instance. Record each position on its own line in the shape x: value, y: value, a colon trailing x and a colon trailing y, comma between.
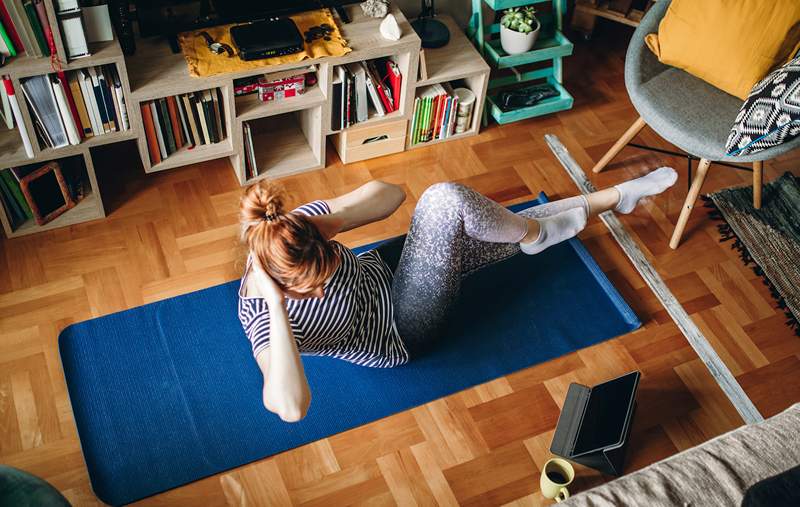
x: 120, y: 18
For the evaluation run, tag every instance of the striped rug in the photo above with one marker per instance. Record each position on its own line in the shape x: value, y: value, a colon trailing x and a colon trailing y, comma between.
x: 768, y: 239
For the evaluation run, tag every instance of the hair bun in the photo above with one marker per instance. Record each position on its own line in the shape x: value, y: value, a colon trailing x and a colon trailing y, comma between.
x: 262, y: 201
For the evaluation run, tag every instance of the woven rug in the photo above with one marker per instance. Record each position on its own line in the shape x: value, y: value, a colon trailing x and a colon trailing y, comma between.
x: 768, y: 239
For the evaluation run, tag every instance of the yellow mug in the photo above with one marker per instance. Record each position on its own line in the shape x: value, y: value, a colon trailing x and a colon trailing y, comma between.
x: 557, y: 474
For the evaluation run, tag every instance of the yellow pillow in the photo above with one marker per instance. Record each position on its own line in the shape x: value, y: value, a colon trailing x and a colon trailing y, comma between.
x: 731, y: 44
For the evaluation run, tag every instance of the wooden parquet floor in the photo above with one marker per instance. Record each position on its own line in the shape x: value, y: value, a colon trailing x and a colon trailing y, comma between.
x: 175, y: 232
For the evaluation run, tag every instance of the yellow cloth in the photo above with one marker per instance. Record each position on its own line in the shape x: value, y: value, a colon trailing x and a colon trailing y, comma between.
x: 203, y: 63
x: 731, y: 44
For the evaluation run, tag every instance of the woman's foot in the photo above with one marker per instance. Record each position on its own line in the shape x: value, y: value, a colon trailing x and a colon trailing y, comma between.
x: 555, y: 229
x: 650, y: 184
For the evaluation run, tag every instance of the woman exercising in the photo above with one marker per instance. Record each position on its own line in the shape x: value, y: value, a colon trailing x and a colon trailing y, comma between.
x: 304, y: 292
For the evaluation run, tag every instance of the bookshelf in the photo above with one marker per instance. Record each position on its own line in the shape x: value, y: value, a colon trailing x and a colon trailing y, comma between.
x: 12, y: 152
x: 289, y: 136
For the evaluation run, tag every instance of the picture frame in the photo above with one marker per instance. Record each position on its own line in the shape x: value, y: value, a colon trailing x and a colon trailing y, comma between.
x: 47, y: 193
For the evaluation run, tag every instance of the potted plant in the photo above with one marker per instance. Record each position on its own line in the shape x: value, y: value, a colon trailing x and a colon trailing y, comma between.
x: 519, y: 29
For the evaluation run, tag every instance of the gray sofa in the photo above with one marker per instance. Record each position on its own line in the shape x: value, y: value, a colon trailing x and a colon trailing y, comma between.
x: 718, y: 472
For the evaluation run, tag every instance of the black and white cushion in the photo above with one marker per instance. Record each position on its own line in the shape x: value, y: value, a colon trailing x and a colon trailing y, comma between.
x: 771, y: 114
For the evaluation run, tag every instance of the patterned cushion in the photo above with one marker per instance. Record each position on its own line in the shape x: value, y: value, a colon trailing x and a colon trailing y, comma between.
x: 771, y: 114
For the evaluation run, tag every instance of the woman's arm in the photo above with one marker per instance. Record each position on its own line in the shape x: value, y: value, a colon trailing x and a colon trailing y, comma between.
x: 368, y: 203
x: 286, y: 390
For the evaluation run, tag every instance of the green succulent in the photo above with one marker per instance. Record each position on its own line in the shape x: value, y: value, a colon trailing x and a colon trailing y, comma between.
x: 520, y: 19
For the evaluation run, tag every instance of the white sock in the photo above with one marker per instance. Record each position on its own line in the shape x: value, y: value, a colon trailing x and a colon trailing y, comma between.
x: 555, y: 229
x: 652, y: 183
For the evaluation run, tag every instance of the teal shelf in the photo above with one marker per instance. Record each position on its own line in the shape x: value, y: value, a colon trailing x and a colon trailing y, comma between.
x: 546, y: 48
x: 552, y: 105
x: 497, y: 5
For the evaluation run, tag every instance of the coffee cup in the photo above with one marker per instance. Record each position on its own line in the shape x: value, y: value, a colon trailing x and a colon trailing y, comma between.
x: 557, y: 474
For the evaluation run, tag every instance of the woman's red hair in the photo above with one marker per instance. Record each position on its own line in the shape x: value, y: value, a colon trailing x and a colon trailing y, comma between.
x: 289, y: 246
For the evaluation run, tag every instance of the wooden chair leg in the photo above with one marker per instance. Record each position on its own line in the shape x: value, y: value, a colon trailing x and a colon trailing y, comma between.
x: 758, y: 181
x: 621, y: 143
x: 688, y: 204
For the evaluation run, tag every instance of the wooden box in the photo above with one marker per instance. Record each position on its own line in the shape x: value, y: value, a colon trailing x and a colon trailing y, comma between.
x: 370, y: 141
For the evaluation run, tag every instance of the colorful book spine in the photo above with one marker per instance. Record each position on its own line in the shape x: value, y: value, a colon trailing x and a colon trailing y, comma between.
x: 11, y: 30
x: 36, y: 27
x: 9, y: 49
x: 16, y: 192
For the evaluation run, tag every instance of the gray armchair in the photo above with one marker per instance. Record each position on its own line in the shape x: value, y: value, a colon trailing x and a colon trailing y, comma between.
x: 686, y: 111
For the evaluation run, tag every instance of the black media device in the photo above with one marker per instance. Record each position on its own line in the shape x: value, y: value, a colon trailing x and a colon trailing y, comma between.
x: 595, y: 423
x: 265, y: 39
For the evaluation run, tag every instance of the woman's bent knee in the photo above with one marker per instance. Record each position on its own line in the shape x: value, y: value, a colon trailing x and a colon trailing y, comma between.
x: 445, y: 192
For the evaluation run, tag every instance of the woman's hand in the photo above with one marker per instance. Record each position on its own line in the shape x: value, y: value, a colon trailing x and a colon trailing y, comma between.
x: 266, y: 285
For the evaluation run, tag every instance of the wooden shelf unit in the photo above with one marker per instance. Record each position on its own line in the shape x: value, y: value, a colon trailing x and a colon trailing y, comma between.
x: 12, y: 152
x: 291, y: 134
x: 457, y: 61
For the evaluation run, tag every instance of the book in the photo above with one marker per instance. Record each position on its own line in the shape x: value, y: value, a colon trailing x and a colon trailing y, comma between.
x: 73, y: 108
x: 99, y: 100
x: 372, y: 90
x: 336, y: 103
x: 383, y: 91
x: 360, y: 89
x: 221, y: 107
x: 191, y: 119
x: 162, y: 146
x: 112, y: 93
x: 251, y: 152
x: 198, y: 104
x: 36, y: 28
x: 218, y: 116
x: 5, y: 108
x: 166, y: 126
x: 87, y: 92
x: 184, y: 122
x: 40, y: 97
x: 8, y: 88
x: 66, y: 5
x: 120, y: 95
x: 6, y: 46
x: 395, y: 82
x: 13, y: 212
x: 41, y: 13
x: 19, y: 198
x: 340, y: 72
x: 108, y: 100
x: 11, y: 29
x: 174, y: 120
x: 209, y: 116
x: 73, y: 36
x: 150, y: 134
x: 63, y: 109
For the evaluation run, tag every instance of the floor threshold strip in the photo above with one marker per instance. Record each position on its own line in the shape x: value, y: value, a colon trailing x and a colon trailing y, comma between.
x: 722, y: 375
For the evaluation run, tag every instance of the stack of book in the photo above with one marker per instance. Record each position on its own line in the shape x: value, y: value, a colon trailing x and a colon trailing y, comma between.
x: 68, y: 108
x: 183, y: 121
x: 362, y: 89
x: 24, y: 27
x: 435, y: 111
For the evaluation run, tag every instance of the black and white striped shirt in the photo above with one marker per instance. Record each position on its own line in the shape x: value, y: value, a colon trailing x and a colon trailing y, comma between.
x: 353, y: 321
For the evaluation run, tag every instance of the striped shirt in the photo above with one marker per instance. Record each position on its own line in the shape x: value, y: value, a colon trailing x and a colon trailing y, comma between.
x: 353, y: 321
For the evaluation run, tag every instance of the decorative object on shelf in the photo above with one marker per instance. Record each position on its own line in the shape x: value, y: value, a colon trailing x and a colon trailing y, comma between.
x: 281, y: 89
x: 525, y: 97
x: 548, y: 51
x: 375, y: 8
x: 47, y: 193
x: 432, y: 32
x: 466, y: 103
x: 519, y: 29
x: 203, y: 64
x: 389, y: 28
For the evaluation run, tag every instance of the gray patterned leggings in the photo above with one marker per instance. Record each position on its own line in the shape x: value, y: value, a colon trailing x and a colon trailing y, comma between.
x: 455, y: 230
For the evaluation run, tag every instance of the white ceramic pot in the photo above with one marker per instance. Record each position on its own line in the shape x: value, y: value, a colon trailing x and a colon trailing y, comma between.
x: 515, y: 43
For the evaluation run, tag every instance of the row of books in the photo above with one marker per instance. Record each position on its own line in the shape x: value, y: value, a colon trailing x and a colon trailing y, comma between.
x: 67, y: 108
x: 361, y: 87
x: 24, y: 26
x: 435, y: 113
x: 186, y: 120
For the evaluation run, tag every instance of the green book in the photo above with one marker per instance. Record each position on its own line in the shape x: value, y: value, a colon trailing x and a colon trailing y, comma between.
x: 13, y: 185
x: 420, y: 116
x: 7, y: 40
x: 427, y: 122
x: 414, y: 120
x: 14, y: 213
x: 169, y: 137
x: 38, y: 32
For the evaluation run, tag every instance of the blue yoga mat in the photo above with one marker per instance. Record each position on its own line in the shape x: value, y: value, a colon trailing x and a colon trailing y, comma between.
x: 169, y: 393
